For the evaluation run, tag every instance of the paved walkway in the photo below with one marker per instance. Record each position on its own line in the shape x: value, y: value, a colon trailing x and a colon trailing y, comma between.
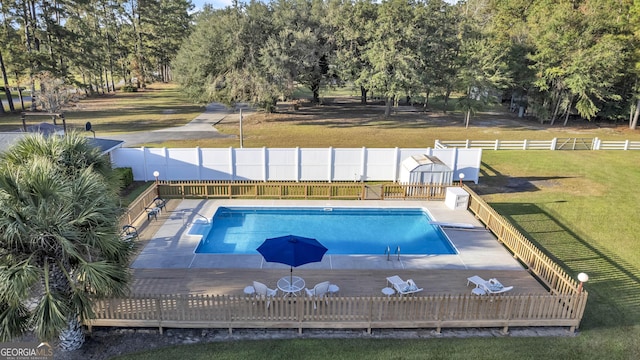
x: 202, y: 127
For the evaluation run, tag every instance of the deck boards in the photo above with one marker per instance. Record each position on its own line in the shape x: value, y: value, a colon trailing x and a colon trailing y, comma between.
x: 351, y: 282
x: 231, y: 281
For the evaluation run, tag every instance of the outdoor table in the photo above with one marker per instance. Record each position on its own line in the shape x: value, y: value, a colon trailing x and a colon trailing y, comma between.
x: 291, y: 285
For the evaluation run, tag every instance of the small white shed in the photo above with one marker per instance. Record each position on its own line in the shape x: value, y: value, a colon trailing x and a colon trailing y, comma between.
x: 425, y: 169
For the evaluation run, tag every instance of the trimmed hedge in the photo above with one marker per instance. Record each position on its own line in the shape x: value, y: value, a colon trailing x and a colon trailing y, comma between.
x: 125, y: 175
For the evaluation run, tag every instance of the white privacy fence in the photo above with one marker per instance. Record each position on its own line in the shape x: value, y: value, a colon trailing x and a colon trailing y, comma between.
x: 553, y: 144
x: 286, y: 164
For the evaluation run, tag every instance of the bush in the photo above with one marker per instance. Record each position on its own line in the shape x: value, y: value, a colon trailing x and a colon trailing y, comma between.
x: 125, y: 175
x: 129, y: 88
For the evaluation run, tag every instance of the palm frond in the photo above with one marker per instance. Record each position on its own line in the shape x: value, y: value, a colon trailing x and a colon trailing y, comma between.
x: 103, y: 278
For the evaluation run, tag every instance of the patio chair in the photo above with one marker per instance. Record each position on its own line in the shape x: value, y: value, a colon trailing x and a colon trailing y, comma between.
x: 319, y: 291
x: 160, y: 203
x: 491, y: 286
x: 261, y: 290
x: 152, y: 212
x: 129, y: 233
x: 403, y: 287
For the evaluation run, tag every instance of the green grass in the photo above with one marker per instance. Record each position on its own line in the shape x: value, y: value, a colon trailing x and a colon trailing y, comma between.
x: 566, y: 348
x: 578, y: 206
x: 581, y: 207
x: 158, y: 106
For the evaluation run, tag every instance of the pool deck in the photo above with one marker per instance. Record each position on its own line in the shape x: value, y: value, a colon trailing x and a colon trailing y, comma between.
x: 167, y: 264
x: 173, y: 247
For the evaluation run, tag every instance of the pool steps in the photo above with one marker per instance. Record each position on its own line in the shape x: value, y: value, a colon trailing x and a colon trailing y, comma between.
x: 387, y: 252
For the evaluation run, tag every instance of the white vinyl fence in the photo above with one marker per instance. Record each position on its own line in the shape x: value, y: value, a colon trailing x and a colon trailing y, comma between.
x: 553, y: 144
x: 286, y: 164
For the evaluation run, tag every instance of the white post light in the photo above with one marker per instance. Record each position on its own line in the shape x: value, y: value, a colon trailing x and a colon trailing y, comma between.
x: 583, y: 278
x: 461, y: 176
x: 156, y: 174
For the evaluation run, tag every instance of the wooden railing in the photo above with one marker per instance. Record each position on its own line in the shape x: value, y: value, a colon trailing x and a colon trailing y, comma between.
x: 558, y: 281
x: 261, y: 190
x: 563, y: 306
x: 414, y: 191
x: 430, y: 311
x: 138, y: 207
x: 293, y: 190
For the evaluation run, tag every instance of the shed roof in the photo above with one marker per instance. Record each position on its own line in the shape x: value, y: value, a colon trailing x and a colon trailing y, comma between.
x: 425, y: 162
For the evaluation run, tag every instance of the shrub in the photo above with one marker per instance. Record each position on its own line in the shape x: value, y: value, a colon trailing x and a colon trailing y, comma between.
x: 129, y: 88
x: 125, y: 175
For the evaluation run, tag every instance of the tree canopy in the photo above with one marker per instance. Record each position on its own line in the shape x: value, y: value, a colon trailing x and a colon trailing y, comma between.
x: 556, y: 57
x: 59, y: 241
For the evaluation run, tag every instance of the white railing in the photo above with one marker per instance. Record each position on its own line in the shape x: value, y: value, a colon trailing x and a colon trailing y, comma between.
x: 553, y: 144
x: 617, y: 145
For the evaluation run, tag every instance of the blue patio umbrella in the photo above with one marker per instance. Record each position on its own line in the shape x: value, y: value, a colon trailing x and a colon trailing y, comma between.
x: 292, y: 250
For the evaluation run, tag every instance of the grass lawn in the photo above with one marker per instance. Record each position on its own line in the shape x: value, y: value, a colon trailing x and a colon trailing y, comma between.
x: 158, y: 106
x: 581, y: 207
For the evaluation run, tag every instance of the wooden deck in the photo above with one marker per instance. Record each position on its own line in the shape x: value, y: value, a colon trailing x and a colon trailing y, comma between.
x: 351, y: 282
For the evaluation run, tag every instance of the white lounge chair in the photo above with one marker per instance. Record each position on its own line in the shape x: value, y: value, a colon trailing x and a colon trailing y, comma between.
x: 319, y: 291
x: 403, y: 287
x: 261, y: 290
x: 491, y: 286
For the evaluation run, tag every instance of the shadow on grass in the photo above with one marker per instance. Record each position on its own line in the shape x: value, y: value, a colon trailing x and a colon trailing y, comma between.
x: 614, y: 284
x: 349, y: 112
x: 494, y: 182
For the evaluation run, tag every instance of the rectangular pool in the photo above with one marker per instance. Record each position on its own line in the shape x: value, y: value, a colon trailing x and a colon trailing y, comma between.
x: 352, y: 231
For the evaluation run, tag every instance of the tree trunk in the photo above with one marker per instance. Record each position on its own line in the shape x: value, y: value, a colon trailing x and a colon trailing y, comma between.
x: 446, y: 100
x: 84, y: 84
x: 7, y: 91
x: 315, y: 88
x: 20, y: 92
x: 566, y: 118
x: 425, y: 106
x: 467, y: 118
x: 363, y: 95
x: 72, y: 338
x: 634, y: 122
x: 555, y: 112
x: 387, y: 109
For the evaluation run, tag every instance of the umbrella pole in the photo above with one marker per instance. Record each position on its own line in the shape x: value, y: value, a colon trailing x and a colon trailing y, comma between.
x: 291, y: 276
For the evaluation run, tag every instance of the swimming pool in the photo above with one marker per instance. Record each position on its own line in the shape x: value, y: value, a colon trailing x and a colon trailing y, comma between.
x: 353, y: 231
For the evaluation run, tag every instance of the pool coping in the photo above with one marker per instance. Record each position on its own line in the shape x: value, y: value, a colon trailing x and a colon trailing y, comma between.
x: 172, y: 247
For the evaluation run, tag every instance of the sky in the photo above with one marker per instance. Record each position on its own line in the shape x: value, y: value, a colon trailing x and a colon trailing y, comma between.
x: 219, y: 4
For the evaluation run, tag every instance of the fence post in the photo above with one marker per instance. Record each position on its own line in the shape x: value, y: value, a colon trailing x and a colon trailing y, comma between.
x: 524, y: 144
x: 554, y: 142
x: 199, y: 157
x: 330, y: 164
x: 626, y: 145
x: 301, y: 307
x: 158, y: 301
x: 265, y: 164
x: 497, y: 145
x: 363, y: 164
x: 396, y: 162
x: 298, y: 167
x: 370, y: 315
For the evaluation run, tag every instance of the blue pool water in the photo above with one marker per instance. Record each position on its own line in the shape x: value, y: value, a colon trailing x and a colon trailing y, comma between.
x: 355, y: 231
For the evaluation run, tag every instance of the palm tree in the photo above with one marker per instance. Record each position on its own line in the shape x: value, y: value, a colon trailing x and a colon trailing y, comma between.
x: 59, y: 243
